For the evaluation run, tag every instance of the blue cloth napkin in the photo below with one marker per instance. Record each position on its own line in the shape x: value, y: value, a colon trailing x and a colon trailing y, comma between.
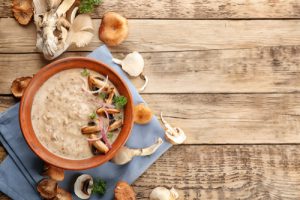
x: 21, y: 169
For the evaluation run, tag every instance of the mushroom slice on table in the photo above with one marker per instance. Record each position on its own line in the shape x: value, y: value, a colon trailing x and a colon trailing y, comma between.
x: 174, y: 135
x: 19, y: 85
x: 83, y: 186
x: 53, y: 172
x: 125, y: 154
x: 123, y: 191
x: 47, y: 188
x: 162, y: 193
x: 22, y: 10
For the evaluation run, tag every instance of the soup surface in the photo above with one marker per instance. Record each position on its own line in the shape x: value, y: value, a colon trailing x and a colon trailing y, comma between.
x: 60, y: 108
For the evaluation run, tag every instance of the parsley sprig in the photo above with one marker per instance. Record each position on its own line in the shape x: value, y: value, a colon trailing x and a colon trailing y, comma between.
x: 85, y: 72
x: 119, y: 101
x: 87, y: 6
x: 99, y: 187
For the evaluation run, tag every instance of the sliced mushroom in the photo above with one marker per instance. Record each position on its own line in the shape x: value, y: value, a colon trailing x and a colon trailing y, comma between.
x: 142, y: 114
x: 162, y: 193
x: 125, y: 154
x: 83, y: 186
x: 123, y: 191
x: 19, y: 85
x: 53, y: 172
x: 174, y: 135
x: 115, y: 125
x: 47, y: 188
x: 22, y: 10
x: 62, y: 195
x: 111, y: 94
x: 98, y: 144
x: 101, y: 111
x: 90, y: 129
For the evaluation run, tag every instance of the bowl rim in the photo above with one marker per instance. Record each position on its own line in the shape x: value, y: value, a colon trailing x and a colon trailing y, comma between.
x: 26, y: 104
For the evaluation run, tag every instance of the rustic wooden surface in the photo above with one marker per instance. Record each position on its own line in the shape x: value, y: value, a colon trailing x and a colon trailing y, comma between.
x: 226, y: 71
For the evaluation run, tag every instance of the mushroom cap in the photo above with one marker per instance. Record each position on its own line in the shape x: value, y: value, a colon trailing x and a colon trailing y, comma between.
x: 47, y: 188
x: 62, y: 195
x: 142, y: 114
x: 22, y: 10
x: 19, y: 85
x: 113, y: 29
x: 133, y: 64
x: 162, y: 193
x: 80, y: 184
x: 123, y: 191
x: 53, y: 172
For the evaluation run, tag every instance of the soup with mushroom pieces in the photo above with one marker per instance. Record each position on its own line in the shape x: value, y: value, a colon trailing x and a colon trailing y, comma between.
x: 65, y: 103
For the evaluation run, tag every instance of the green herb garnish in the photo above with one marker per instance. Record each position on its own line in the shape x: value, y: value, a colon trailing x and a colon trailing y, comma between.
x: 85, y: 72
x: 102, y: 95
x: 99, y: 187
x: 93, y: 116
x: 87, y: 6
x: 119, y: 101
x: 110, y: 135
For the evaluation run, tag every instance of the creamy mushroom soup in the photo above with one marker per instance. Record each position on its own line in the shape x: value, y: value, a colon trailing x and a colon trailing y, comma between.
x: 64, y: 104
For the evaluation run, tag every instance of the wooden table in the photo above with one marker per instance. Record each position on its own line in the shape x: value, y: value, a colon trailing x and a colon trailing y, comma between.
x: 226, y: 71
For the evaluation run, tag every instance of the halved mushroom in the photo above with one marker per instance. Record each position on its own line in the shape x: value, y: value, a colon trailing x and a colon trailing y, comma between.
x: 123, y: 191
x: 53, y: 172
x: 19, y: 85
x: 174, y: 135
x: 98, y: 144
x: 22, y: 10
x: 62, y: 195
x: 115, y: 125
x: 101, y: 111
x: 83, y: 186
x: 142, y: 114
x: 47, y: 188
x: 162, y: 193
x: 125, y: 154
x: 90, y: 129
x: 111, y: 93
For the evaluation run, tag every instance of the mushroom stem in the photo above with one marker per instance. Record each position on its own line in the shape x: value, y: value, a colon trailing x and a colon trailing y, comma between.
x: 101, y: 111
x: 148, y: 150
x: 98, y: 144
x: 90, y: 129
x: 145, y: 78
x: 117, y: 61
x: 117, y: 124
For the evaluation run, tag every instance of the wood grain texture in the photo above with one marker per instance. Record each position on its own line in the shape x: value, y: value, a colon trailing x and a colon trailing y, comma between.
x: 195, y: 9
x: 159, y: 35
x: 227, y: 118
x: 264, y: 69
x: 225, y: 172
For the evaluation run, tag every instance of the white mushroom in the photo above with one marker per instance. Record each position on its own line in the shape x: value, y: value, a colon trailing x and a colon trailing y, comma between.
x: 133, y: 65
x: 83, y: 186
x: 174, y: 135
x: 125, y: 154
x: 162, y: 193
x: 55, y: 32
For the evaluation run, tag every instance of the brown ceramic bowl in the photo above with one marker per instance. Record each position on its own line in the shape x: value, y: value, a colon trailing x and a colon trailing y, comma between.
x: 43, y: 75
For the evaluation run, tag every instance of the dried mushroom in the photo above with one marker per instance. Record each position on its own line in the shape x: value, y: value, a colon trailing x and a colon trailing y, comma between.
x: 98, y: 144
x: 102, y: 110
x: 115, y: 125
x: 142, y: 114
x: 19, y: 85
x: 47, y: 188
x: 125, y: 154
x: 22, y: 10
x: 162, y: 193
x: 123, y: 191
x: 174, y: 135
x: 90, y: 129
x: 83, y: 186
x: 62, y: 195
x: 53, y: 172
x: 113, y: 29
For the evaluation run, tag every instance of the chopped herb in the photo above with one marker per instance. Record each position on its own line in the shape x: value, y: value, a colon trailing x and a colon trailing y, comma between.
x: 87, y: 6
x: 93, y: 116
x: 119, y: 101
x: 99, y: 187
x: 102, y: 95
x: 110, y: 135
x: 85, y: 72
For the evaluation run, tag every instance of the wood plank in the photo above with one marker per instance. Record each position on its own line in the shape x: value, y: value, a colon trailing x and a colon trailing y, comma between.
x: 225, y: 172
x: 227, y: 118
x: 159, y: 35
x: 186, y: 9
x: 266, y: 69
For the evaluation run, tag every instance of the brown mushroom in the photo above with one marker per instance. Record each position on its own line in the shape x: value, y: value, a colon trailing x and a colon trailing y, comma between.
x: 111, y: 93
x: 53, y: 172
x: 19, y: 85
x: 113, y: 29
x: 117, y: 124
x: 95, y: 82
x: 101, y: 111
x: 98, y: 144
x: 123, y: 191
x: 142, y: 114
x: 47, y: 188
x: 62, y: 195
x: 90, y: 129
x: 22, y: 10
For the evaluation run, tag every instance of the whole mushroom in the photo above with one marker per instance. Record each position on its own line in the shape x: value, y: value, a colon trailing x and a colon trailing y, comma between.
x: 123, y: 191
x: 19, y: 85
x: 162, y: 193
x: 47, y: 188
x: 22, y: 10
